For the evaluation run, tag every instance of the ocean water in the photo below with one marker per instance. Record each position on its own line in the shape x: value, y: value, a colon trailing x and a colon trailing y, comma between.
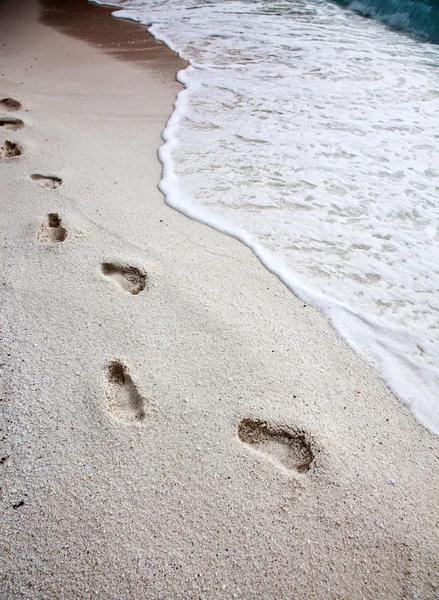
x: 311, y: 133
x: 419, y: 17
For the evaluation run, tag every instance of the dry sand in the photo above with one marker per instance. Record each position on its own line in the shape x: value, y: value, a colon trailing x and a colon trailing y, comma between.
x: 175, y: 423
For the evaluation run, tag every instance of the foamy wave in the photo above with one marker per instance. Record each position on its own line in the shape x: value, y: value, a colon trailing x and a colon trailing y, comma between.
x: 311, y: 134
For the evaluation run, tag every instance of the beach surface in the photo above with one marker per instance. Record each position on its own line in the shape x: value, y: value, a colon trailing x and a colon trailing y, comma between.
x: 175, y: 423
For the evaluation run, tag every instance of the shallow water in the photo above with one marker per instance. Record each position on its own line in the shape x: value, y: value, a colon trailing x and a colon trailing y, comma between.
x: 311, y: 133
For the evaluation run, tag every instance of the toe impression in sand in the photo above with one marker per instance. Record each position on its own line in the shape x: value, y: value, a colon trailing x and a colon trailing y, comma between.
x: 129, y: 278
x: 50, y: 182
x: 10, y: 104
x: 11, y: 123
x: 51, y: 230
x: 124, y: 402
x: 10, y: 149
x: 283, y: 446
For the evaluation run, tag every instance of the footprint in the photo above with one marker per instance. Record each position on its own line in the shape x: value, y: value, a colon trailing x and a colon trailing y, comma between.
x: 10, y: 150
x: 130, y: 279
x: 10, y: 123
x: 283, y: 446
x: 123, y: 399
x: 51, y: 230
x: 49, y: 182
x: 10, y: 104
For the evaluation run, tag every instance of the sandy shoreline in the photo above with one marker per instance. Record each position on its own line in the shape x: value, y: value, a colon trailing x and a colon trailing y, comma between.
x: 143, y: 353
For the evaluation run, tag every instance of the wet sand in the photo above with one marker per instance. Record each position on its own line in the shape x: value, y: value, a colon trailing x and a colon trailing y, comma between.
x: 121, y: 39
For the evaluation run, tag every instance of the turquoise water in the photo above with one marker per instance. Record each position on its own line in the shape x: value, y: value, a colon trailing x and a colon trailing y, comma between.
x: 420, y: 17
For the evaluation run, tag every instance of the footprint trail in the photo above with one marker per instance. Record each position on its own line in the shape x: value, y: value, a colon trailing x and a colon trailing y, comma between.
x: 10, y: 104
x: 51, y: 230
x: 10, y: 150
x: 124, y: 402
x: 10, y: 123
x: 283, y: 446
x: 129, y: 278
x: 50, y: 182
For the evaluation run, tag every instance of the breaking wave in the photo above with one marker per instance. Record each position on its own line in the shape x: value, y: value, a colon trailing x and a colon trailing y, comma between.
x: 420, y: 17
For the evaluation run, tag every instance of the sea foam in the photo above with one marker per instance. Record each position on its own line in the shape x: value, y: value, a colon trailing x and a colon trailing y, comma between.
x: 311, y: 134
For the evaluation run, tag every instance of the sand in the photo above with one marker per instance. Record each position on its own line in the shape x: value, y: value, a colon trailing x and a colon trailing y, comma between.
x: 175, y: 423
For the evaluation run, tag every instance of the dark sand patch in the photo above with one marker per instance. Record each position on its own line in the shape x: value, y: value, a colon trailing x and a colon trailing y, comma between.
x: 122, y: 39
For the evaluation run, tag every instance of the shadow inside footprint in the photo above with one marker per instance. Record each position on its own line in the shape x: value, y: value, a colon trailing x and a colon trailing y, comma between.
x: 284, y: 446
x: 124, y: 402
x: 10, y: 150
x: 10, y: 123
x: 10, y: 104
x: 51, y: 230
x: 49, y: 182
x: 130, y: 279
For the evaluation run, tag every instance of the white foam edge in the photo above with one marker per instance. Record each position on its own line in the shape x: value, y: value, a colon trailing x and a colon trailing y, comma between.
x: 349, y: 326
